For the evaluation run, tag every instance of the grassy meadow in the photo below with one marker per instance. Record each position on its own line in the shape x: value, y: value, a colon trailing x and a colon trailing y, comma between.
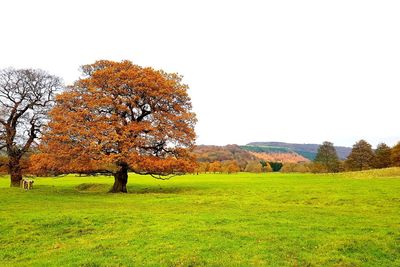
x: 243, y: 219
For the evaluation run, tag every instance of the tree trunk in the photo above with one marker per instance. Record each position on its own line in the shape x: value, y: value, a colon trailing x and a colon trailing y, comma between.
x: 120, y: 179
x: 15, y: 170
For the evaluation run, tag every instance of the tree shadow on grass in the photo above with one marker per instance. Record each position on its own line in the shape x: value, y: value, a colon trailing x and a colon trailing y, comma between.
x: 132, y: 189
x: 104, y: 188
x: 92, y: 187
x: 159, y: 190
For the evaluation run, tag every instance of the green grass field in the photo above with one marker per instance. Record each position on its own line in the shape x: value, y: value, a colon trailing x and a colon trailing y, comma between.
x: 215, y: 220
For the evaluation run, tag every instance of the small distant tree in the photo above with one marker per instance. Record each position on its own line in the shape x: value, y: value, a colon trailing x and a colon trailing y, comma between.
x: 316, y: 167
x: 382, y: 156
x: 254, y: 166
x: 327, y: 157
x: 395, y: 155
x: 361, y: 157
x: 296, y: 167
x: 202, y: 167
x: 215, y: 167
x: 230, y: 166
x: 265, y: 166
x: 288, y: 167
x: 263, y: 163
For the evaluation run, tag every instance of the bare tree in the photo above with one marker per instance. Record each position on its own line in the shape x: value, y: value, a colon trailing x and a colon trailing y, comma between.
x: 26, y: 95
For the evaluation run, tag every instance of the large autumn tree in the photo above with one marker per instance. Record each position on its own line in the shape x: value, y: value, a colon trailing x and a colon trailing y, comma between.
x: 119, y: 117
x: 26, y: 95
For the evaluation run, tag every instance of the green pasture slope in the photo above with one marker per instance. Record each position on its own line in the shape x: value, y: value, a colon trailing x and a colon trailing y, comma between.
x: 214, y: 220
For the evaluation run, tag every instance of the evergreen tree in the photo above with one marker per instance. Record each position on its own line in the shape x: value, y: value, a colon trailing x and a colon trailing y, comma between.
x: 361, y: 157
x: 328, y: 157
x: 265, y: 166
x: 382, y: 156
x: 275, y: 166
x: 396, y: 155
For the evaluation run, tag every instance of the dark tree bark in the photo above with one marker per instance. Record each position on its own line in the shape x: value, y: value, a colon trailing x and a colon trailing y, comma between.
x: 120, y: 179
x: 26, y: 95
x: 15, y: 170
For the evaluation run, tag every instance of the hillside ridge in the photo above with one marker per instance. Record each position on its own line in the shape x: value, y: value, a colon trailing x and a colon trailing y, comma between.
x: 306, y: 150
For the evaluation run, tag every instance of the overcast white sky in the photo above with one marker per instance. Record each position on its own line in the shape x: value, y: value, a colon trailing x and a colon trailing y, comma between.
x: 295, y: 71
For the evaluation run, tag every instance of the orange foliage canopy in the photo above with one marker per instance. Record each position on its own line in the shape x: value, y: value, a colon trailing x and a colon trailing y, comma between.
x: 118, y: 116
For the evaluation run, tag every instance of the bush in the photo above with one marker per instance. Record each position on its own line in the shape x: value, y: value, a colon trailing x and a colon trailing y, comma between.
x: 254, y: 167
x: 230, y: 166
x: 296, y: 167
x: 316, y: 167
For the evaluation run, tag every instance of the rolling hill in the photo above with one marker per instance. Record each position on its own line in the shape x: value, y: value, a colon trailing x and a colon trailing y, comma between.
x: 308, y: 151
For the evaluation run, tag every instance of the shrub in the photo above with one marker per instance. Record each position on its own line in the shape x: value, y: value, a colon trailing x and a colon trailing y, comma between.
x: 296, y: 167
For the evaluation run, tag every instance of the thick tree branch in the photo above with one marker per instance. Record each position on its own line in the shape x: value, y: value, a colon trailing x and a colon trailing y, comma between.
x: 143, y: 114
x: 32, y: 136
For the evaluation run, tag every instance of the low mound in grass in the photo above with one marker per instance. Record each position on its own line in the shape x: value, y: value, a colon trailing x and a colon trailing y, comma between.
x: 92, y: 188
x: 375, y: 173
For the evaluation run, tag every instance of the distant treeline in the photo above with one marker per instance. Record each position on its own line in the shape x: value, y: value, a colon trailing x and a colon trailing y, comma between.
x: 258, y: 159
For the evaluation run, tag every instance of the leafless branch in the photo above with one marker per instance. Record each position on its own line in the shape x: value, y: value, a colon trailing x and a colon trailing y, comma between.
x: 26, y: 95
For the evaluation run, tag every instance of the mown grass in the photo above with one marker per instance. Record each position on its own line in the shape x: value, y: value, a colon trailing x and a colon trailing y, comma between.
x: 214, y: 220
